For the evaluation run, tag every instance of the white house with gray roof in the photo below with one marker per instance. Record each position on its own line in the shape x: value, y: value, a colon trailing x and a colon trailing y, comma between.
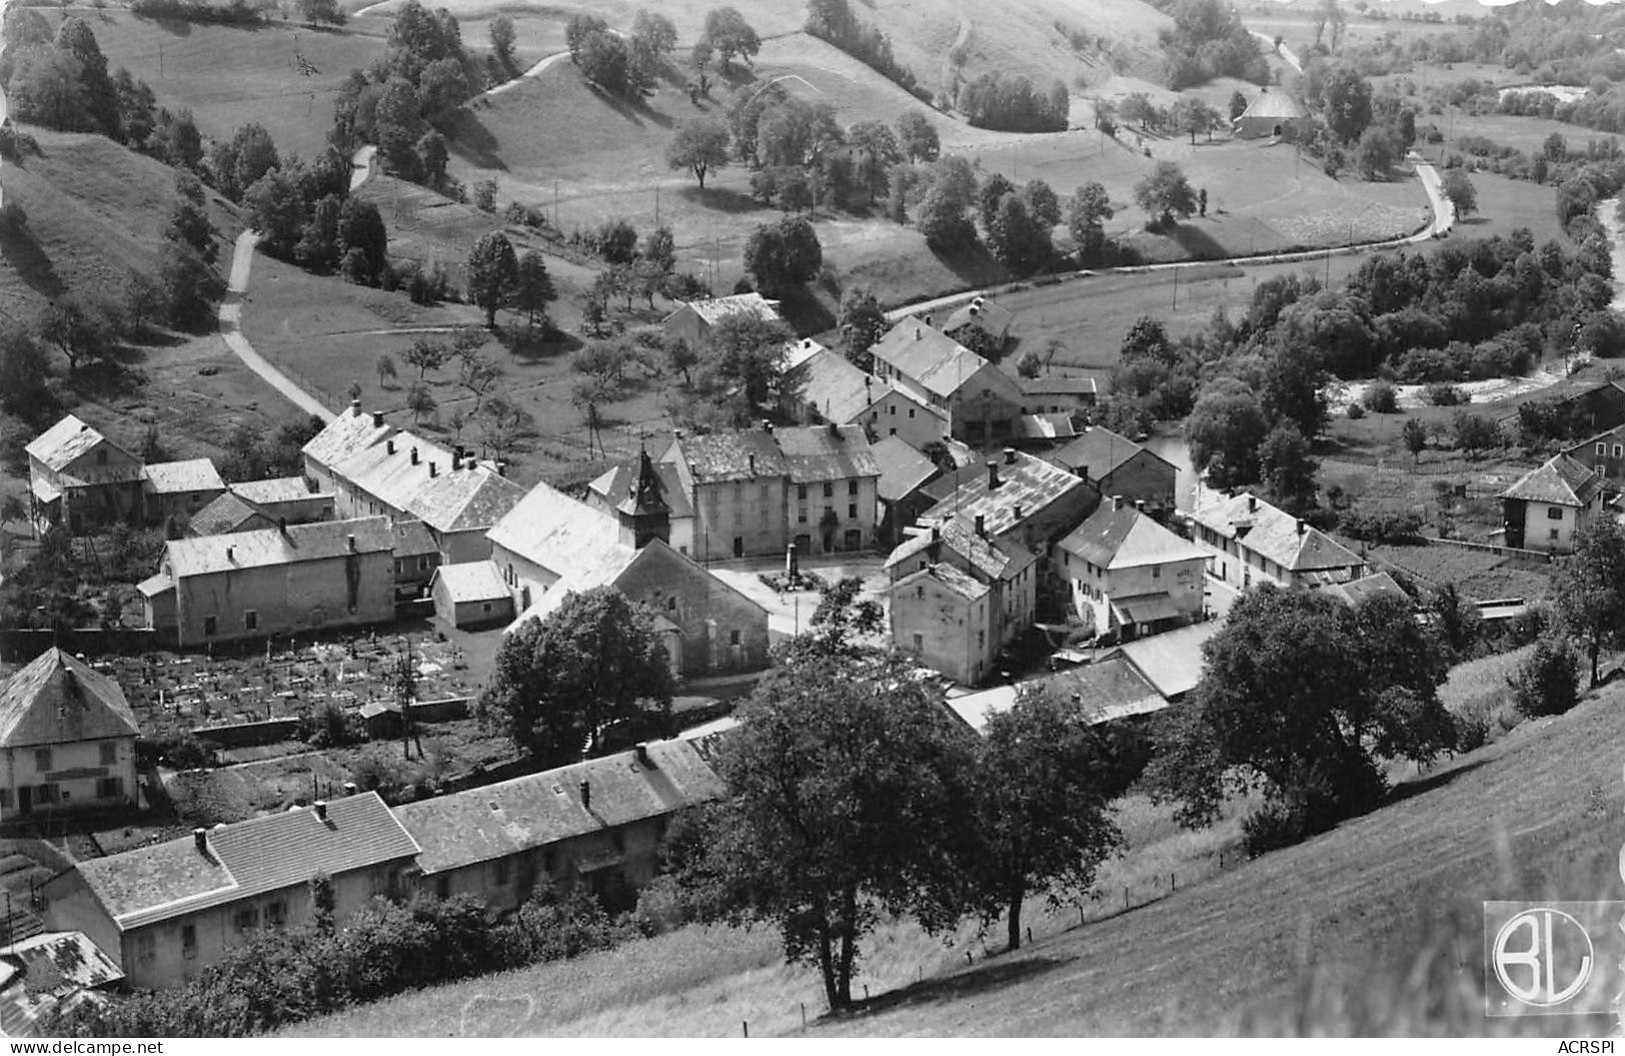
x: 1249, y: 541
x: 1547, y: 506
x: 80, y: 479
x: 68, y: 739
x: 1128, y: 575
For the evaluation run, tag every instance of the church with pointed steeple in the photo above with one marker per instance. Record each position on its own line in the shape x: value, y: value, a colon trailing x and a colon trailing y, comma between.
x: 647, y: 500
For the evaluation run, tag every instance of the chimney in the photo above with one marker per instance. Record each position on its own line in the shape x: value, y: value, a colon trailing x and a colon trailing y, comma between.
x: 834, y: 431
x: 767, y: 427
x: 389, y: 446
x: 355, y: 407
x: 1009, y: 456
x: 1302, y: 527
x: 1139, y: 505
x: 433, y: 469
x: 456, y: 461
x: 1252, y: 504
x: 321, y: 809
x: 502, y: 469
x: 200, y: 838
x: 642, y: 748
x: 1117, y: 502
x: 231, y: 553
x: 377, y: 419
x: 1017, y: 511
x: 752, y: 464
x: 350, y: 542
x: 414, y: 456
x: 586, y: 794
x: 282, y: 525
x: 927, y: 319
x: 916, y: 333
x: 350, y: 788
x: 992, y: 475
x: 1083, y: 472
x: 975, y: 310
x: 981, y: 526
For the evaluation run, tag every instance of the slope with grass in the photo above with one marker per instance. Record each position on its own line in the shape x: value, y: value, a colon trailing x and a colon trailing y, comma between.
x: 95, y: 210
x: 1373, y: 928
x: 231, y: 75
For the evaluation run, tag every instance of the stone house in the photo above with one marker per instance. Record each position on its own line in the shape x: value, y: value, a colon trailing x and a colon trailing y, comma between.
x: 471, y: 596
x: 1019, y: 497
x: 1058, y: 394
x: 1547, y: 506
x: 166, y: 911
x: 904, y: 473
x: 1116, y: 465
x: 179, y: 489
x: 832, y: 480
x: 303, y: 577
x: 982, y: 404
x: 596, y: 824
x: 1272, y: 114
x: 416, y: 558
x: 830, y: 388
x: 80, y: 479
x: 1127, y: 575
x: 693, y: 320
x: 1249, y: 541
x: 68, y: 739
x: 226, y: 514
x: 944, y: 619
x: 286, y: 499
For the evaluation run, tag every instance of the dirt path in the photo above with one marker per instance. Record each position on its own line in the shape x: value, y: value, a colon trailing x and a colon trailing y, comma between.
x: 231, y: 317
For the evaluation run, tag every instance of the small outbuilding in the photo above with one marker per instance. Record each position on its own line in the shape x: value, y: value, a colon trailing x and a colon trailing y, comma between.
x: 471, y: 595
x: 1271, y: 114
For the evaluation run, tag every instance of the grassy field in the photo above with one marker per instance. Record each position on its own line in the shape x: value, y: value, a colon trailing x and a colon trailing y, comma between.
x: 230, y: 76
x: 1374, y: 928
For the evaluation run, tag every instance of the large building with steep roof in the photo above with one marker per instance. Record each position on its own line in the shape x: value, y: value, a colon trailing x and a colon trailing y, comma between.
x: 165, y: 912
x: 1019, y: 497
x: 828, y: 387
x: 68, y: 736
x: 643, y: 495
x: 596, y: 825
x: 1249, y: 541
x: 1272, y: 114
x: 981, y: 403
x: 1117, y: 465
x: 374, y: 470
x: 1548, y: 506
x: 80, y: 479
x: 304, y: 577
x: 1129, y: 576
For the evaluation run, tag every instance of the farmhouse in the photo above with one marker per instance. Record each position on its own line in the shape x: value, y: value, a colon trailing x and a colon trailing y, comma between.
x: 981, y: 402
x: 1119, y: 466
x: 80, y: 479
x: 179, y: 489
x: 904, y: 472
x: 69, y: 739
x: 596, y: 824
x: 164, y: 912
x: 273, y: 581
x: 693, y: 321
x: 1547, y: 506
x: 1021, y: 498
x: 1058, y: 394
x: 374, y: 471
x: 1249, y: 541
x: 550, y: 546
x: 831, y: 389
x: 1271, y: 114
x: 1128, y: 575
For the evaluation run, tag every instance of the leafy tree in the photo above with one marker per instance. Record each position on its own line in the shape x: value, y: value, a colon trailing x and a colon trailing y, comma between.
x: 1459, y: 189
x: 744, y: 356
x: 1475, y: 432
x: 1016, y: 240
x: 420, y: 401
x: 729, y: 34
x: 1042, y: 793
x: 699, y: 146
x: 385, y: 366
x: 1042, y: 202
x: 1291, y: 389
x: 845, y: 794
x: 432, y: 158
x: 1377, y: 153
x: 654, y: 32
x: 478, y: 374
x: 861, y: 324
x: 276, y: 210
x: 842, y: 616
x: 1225, y: 430
x: 24, y: 372
x: 189, y: 222
x: 1347, y: 99
x: 917, y: 137
x: 493, y: 274
x: 142, y: 300
x: 1415, y: 436
x: 533, y: 289
x: 606, y: 61
x: 1192, y: 116
x: 877, y: 150
x: 176, y: 139
x: 80, y: 329
x: 1299, y: 693
x: 426, y: 354
x: 1238, y: 105
x: 1548, y: 680
x: 503, y: 43
x: 1590, y: 587
x: 1381, y: 397
x: 1165, y: 193
x: 1287, y: 470
x: 47, y: 88
x: 1328, y: 12
x: 942, y: 220
x: 361, y: 228
x: 316, y: 12
x: 485, y: 195
x: 75, y: 38
x: 1030, y: 365
x: 319, y: 242
x: 562, y: 682
x: 988, y: 197
x: 238, y: 164
x: 190, y: 286
x: 783, y: 255
x: 577, y: 31
x: 1086, y: 214
x: 136, y: 105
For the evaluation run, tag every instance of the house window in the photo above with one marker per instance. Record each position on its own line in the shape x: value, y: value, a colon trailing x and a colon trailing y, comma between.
x: 1552, y: 534
x: 981, y: 640
x: 1602, y: 449
x: 1554, y: 513
x: 276, y: 913
x: 911, y: 412
x: 852, y: 512
x: 919, y: 593
x: 733, y: 637
x: 851, y: 487
x: 101, y: 458
x: 442, y: 887
x: 423, y: 564
x: 188, y: 940
x: 246, y: 919
x: 829, y: 490
x: 251, y: 620
x: 110, y: 788
x: 801, y: 515
x: 1156, y: 571
x: 210, y: 626
x: 919, y: 645
x: 502, y: 872
x: 5, y: 799
x: 47, y: 793
x: 892, y: 410
x: 671, y: 603
x: 146, y: 947
x: 801, y: 491
x: 42, y: 759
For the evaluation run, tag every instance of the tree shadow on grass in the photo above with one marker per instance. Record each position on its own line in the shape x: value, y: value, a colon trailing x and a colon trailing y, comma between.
x: 1405, y: 791
x: 720, y: 199
x: 974, y: 265
x: 20, y: 250
x: 990, y: 977
x: 1196, y: 242
x: 473, y: 142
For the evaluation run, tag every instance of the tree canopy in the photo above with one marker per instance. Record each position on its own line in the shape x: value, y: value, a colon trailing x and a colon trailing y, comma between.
x: 493, y: 274
x: 1165, y: 193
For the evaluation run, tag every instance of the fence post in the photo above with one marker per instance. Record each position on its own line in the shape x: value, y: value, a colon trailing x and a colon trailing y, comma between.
x: 1125, y: 898
x: 744, y: 1025
x: 803, y: 1017
x: 1173, y: 882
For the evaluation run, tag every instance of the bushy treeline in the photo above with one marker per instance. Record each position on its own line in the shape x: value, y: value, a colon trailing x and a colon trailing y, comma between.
x: 1208, y: 40
x: 833, y: 21
x: 283, y: 976
x: 1011, y: 104
x: 231, y: 13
